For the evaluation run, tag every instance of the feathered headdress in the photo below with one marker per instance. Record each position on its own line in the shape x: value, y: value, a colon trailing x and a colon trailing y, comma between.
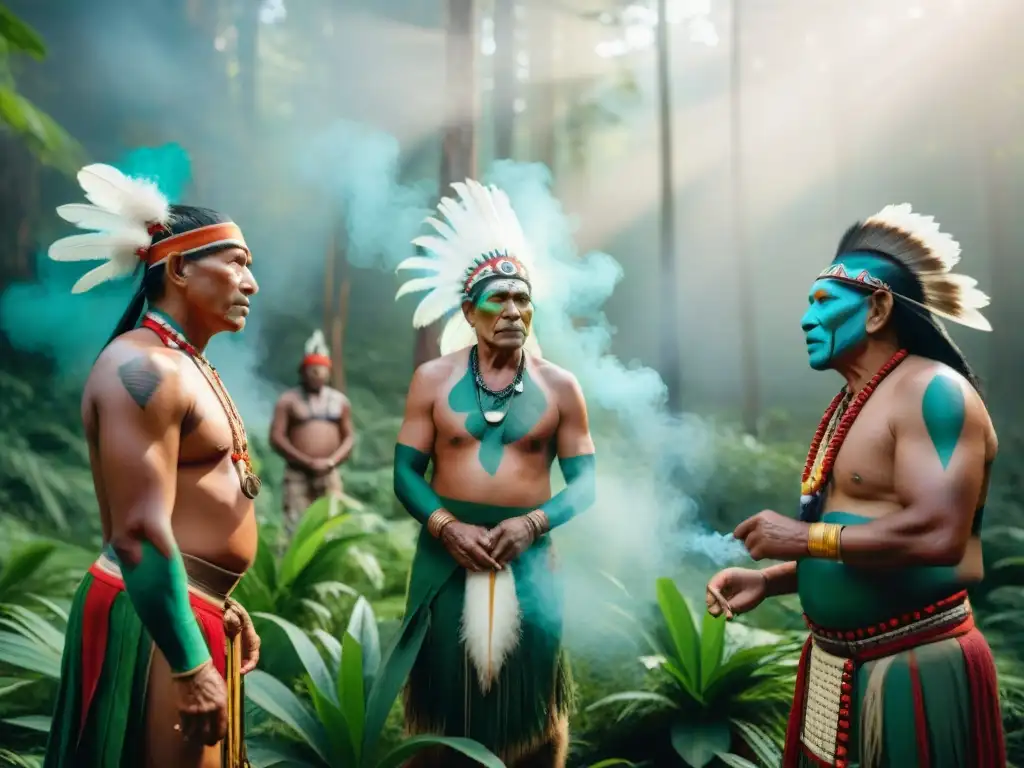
x: 481, y: 239
x: 317, y: 352
x: 124, y: 215
x: 916, y: 243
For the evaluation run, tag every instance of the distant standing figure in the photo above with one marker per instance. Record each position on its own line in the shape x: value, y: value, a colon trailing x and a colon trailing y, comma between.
x: 312, y: 430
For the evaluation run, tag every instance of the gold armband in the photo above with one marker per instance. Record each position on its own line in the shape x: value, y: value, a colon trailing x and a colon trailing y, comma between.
x: 438, y: 521
x: 538, y: 522
x: 823, y: 540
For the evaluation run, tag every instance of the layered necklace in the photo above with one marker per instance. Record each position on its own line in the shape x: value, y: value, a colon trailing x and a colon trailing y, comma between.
x: 830, y: 435
x: 500, y: 400
x: 175, y: 339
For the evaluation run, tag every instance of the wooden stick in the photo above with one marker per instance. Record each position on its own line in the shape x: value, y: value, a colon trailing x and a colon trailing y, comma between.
x: 722, y: 602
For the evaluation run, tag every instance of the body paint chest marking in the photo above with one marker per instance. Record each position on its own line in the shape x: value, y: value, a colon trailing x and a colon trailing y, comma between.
x: 524, y: 414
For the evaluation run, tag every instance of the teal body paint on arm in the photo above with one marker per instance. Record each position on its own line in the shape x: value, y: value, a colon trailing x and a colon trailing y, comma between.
x: 524, y: 413
x: 944, y: 410
x: 580, y: 473
x: 158, y: 589
x: 411, y: 486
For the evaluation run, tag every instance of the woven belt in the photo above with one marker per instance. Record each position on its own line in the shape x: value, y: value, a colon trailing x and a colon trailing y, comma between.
x: 887, y: 636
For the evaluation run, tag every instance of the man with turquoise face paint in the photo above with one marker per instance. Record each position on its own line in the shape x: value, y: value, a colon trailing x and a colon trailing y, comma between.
x: 894, y: 672
x: 480, y: 646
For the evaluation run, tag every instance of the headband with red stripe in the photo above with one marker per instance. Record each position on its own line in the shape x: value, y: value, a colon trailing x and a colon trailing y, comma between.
x: 195, y: 241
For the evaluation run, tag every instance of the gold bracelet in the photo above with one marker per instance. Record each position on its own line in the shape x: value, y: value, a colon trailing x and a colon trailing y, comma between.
x: 438, y: 521
x: 539, y: 521
x: 823, y: 540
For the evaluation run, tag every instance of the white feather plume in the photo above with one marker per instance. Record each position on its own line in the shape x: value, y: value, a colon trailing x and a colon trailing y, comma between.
x: 317, y: 344
x: 491, y: 622
x: 480, y: 220
x: 122, y: 210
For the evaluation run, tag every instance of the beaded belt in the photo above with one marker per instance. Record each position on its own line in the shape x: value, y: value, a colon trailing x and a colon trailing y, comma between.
x: 835, y: 655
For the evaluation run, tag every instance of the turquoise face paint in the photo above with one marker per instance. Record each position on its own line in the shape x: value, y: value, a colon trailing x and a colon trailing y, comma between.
x: 834, y: 323
x: 944, y: 410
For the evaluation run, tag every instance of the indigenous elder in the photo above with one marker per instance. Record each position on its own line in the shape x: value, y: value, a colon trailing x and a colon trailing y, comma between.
x: 483, y: 623
x: 312, y: 431
x: 155, y: 647
x: 894, y: 672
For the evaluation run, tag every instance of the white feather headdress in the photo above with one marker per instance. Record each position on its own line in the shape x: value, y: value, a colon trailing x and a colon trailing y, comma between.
x: 124, y: 214
x: 917, y: 242
x: 480, y: 238
x: 317, y: 344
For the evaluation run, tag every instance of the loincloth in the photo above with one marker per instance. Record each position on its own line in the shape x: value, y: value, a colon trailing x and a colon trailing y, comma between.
x: 918, y: 690
x: 100, y: 714
x: 300, y: 489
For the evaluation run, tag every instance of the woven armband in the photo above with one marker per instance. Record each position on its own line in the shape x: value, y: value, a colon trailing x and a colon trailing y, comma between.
x: 158, y: 589
x: 579, y: 492
x: 411, y: 486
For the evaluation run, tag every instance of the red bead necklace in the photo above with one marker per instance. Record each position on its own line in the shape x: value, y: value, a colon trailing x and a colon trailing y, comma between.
x: 816, y: 477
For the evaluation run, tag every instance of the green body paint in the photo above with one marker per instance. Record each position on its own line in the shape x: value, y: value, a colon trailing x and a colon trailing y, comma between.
x: 523, y: 415
x: 944, y: 411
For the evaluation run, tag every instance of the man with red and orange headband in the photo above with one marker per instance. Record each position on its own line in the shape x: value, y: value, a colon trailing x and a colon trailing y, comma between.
x: 312, y: 431
x: 155, y: 647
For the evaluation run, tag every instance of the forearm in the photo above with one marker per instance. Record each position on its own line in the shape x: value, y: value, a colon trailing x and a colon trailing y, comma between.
x: 901, y: 539
x: 157, y: 586
x: 579, y: 492
x: 780, y: 579
x: 411, y: 486
x: 289, y: 452
x: 341, y: 455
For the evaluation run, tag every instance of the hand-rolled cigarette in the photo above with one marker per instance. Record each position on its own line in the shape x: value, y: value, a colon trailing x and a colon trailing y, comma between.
x: 722, y: 602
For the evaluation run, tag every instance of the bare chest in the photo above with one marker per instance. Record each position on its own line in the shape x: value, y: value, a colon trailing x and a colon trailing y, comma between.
x: 864, y: 466
x: 206, y: 430
x: 326, y: 405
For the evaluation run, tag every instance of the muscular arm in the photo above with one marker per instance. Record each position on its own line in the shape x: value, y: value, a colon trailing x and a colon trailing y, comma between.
x: 939, y: 470
x: 348, y: 431
x: 139, y: 411
x: 575, y: 449
x: 415, y: 445
x: 780, y: 579
x: 279, y: 434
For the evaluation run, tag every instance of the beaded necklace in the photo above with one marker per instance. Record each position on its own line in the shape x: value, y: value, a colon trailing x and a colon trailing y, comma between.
x: 832, y: 431
x: 172, y: 337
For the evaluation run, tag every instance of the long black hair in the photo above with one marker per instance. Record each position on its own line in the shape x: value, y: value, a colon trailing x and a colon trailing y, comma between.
x: 184, y: 218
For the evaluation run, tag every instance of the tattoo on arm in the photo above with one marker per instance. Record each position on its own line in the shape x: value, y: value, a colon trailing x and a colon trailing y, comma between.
x: 141, y: 378
x: 944, y: 410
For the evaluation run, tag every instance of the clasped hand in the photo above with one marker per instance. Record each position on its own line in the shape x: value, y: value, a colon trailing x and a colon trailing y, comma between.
x: 479, y: 549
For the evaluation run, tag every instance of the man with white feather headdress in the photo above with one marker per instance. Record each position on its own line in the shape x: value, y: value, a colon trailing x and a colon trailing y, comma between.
x: 481, y: 640
x: 894, y: 671
x: 155, y: 646
x: 312, y: 431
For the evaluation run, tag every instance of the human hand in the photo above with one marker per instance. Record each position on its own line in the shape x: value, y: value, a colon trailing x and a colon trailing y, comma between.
x: 469, y: 545
x: 510, y: 538
x: 202, y: 702
x: 771, y: 535
x: 320, y: 466
x: 736, y: 590
x: 237, y: 622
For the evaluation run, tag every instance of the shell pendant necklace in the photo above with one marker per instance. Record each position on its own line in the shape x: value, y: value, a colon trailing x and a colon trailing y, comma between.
x: 503, y: 398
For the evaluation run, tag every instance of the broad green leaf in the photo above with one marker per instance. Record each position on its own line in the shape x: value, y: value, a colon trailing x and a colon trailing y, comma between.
x: 362, y: 625
x: 35, y: 626
x: 316, y: 515
x: 263, y: 754
x: 339, y: 733
x: 308, y: 655
x: 679, y: 622
x: 333, y: 649
x: 20, y: 761
x: 759, y: 741
x: 9, y: 685
x: 351, y: 696
x: 612, y: 762
x: 471, y: 749
x: 20, y: 36
x: 23, y: 653
x: 40, y: 723
x: 58, y: 610
x: 299, y: 555
x: 634, y: 696
x: 735, y: 761
x: 274, y: 698
x: 699, y: 743
x: 23, y: 564
x: 712, y: 646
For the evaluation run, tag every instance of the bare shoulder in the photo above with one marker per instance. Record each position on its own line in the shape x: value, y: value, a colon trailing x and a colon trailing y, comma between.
x: 136, y: 369
x: 934, y: 392
x: 434, y: 373
x: 563, y: 383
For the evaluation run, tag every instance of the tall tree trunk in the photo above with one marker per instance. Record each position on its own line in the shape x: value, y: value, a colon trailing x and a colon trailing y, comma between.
x: 337, y: 287
x: 748, y: 327
x: 505, y: 65
x: 543, y: 92
x: 458, y: 151
x: 671, y: 364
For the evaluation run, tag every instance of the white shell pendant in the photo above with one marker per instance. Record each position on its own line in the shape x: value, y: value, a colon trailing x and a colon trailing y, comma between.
x: 494, y: 417
x: 519, y: 387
